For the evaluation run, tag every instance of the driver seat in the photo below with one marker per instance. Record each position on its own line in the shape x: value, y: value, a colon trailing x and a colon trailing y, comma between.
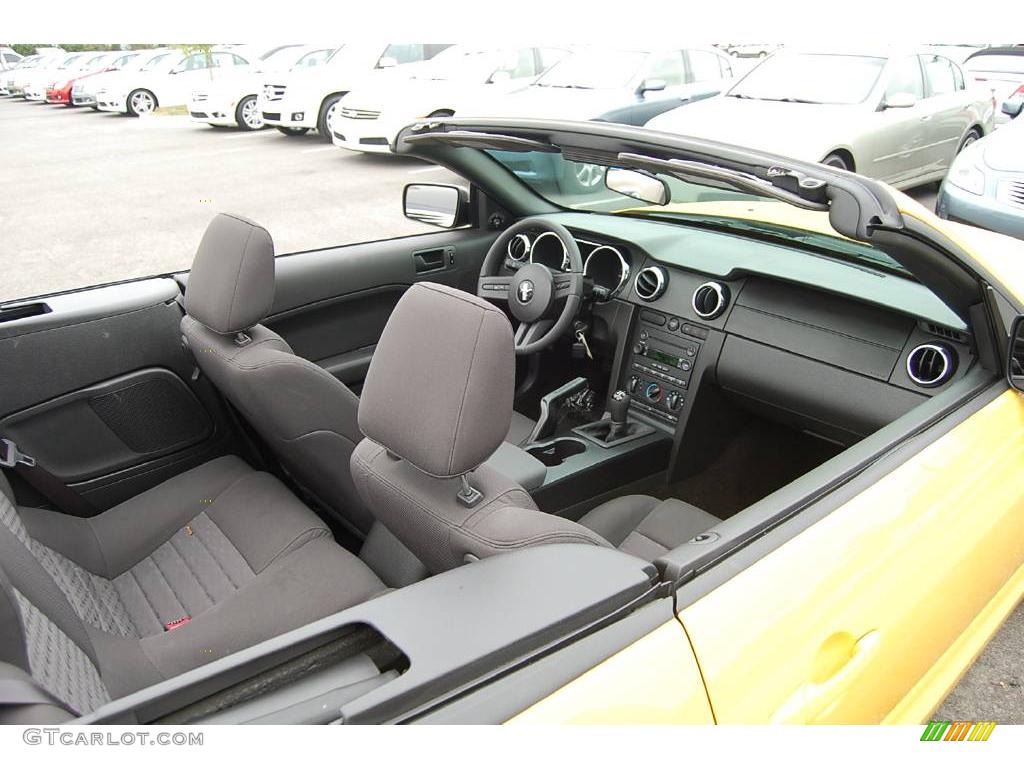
x: 436, y: 404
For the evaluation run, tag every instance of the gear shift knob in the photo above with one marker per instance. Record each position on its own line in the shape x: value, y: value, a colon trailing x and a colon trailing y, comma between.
x: 619, y: 409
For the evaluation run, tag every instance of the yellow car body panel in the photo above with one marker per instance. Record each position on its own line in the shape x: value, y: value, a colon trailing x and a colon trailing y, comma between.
x: 841, y: 622
x: 653, y: 681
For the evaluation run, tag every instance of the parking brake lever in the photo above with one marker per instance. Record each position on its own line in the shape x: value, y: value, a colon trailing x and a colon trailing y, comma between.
x: 545, y: 422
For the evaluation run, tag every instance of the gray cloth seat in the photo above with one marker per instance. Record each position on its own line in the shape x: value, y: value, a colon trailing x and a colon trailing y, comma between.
x: 445, y: 362
x: 209, y: 562
x: 306, y: 416
x: 647, y: 527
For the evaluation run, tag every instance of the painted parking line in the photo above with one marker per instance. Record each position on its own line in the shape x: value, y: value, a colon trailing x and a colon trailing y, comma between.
x: 318, y: 149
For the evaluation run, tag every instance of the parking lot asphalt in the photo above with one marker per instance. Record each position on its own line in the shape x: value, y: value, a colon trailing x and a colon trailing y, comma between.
x: 89, y: 198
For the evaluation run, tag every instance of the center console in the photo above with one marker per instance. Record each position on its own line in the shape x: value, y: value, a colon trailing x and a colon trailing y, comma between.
x: 661, y: 357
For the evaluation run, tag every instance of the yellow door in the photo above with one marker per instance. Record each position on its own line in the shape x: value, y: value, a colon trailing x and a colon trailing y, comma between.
x: 654, y: 680
x: 873, y: 612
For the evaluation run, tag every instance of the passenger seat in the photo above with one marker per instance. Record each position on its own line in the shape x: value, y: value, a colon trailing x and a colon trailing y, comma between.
x: 209, y: 562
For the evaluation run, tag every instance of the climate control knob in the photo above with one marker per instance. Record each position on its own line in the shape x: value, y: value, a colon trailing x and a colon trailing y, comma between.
x: 674, y: 401
x: 653, y: 392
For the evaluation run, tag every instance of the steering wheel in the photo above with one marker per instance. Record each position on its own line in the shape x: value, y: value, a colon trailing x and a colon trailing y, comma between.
x: 532, y: 291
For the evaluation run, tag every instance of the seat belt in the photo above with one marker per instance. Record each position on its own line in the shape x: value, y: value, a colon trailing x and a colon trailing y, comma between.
x: 50, y: 486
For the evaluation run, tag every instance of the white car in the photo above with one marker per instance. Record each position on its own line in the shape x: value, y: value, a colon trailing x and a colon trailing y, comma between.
x: 165, y: 80
x: 9, y: 58
x: 83, y: 90
x: 8, y: 75
x: 306, y: 98
x: 369, y: 118
x: 18, y: 79
x: 230, y: 100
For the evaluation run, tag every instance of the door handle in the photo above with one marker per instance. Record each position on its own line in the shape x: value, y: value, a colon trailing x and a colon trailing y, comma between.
x: 812, y: 698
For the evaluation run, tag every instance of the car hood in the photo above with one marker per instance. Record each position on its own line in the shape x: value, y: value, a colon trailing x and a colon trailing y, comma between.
x: 1004, y: 149
x: 412, y: 97
x: 801, y: 131
x: 549, y: 103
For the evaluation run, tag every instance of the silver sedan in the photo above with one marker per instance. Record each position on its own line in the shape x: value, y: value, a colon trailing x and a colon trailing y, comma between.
x: 898, y: 116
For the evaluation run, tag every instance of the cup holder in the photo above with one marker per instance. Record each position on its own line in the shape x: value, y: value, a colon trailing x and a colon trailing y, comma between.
x: 557, y: 451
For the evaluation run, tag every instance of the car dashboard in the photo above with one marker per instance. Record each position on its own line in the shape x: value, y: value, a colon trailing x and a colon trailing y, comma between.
x: 831, y: 347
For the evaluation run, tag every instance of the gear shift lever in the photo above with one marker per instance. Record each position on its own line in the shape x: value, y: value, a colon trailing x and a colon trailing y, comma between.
x: 618, y: 409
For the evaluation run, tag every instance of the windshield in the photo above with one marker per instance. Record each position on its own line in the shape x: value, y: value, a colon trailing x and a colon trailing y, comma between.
x: 154, y: 62
x: 120, y: 62
x: 581, y: 187
x: 811, y: 78
x: 1011, y: 65
x: 314, y: 58
x: 595, y: 69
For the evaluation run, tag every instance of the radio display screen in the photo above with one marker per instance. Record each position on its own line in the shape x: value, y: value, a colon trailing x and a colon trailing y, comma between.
x: 661, y: 357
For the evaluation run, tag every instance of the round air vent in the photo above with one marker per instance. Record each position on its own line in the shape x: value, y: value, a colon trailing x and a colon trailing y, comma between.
x: 518, y: 248
x: 650, y: 283
x: 710, y: 300
x: 931, y: 365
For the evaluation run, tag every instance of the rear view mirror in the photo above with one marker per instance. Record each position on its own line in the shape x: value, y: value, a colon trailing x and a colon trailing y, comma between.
x: 651, y: 84
x: 441, y: 205
x: 1013, y: 107
x: 1015, y: 362
x: 899, y: 101
x: 638, y: 185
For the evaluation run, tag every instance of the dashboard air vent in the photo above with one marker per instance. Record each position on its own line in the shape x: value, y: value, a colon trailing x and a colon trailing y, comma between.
x: 518, y: 248
x: 650, y: 283
x: 931, y: 365
x: 710, y: 300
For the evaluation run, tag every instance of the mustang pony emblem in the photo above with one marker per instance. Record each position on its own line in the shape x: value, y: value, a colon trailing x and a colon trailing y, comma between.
x: 525, y: 291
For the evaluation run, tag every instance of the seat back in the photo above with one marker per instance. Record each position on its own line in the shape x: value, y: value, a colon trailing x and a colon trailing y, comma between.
x: 436, y: 404
x: 305, y: 415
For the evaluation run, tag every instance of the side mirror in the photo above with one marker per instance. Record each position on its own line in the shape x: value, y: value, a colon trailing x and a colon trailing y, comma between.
x: 638, y: 185
x: 899, y: 101
x: 501, y: 76
x: 441, y: 205
x: 1015, y: 357
x: 386, y: 62
x: 651, y: 84
x: 1013, y: 107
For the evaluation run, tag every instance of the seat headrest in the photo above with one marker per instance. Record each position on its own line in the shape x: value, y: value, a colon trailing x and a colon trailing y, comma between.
x: 231, y: 287
x: 439, y: 390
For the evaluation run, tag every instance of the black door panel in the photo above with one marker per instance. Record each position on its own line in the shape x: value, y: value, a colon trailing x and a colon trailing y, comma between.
x: 331, y: 306
x: 99, y: 390
x: 113, y: 425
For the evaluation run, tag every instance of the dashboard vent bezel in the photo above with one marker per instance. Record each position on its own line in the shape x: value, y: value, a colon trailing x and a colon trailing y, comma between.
x: 649, y: 292
x: 524, y: 242
x: 935, y: 352
x: 710, y: 288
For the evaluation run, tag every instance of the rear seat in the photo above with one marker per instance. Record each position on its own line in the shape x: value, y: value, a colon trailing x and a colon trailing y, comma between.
x: 209, y: 562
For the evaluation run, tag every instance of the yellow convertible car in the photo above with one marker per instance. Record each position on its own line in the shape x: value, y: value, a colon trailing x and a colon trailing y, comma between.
x: 728, y: 438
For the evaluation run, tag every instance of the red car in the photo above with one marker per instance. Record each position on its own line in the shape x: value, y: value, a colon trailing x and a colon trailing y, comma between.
x: 59, y: 92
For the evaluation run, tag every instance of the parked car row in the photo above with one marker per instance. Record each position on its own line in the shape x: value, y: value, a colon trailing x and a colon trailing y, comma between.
x: 906, y: 116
